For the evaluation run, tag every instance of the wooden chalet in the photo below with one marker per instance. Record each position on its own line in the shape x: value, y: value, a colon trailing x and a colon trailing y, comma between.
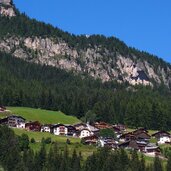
x: 162, y: 137
x: 84, y: 133
x: 142, y: 136
x: 71, y: 130
x: 4, y: 121
x: 131, y: 144
x: 126, y: 136
x: 119, y: 127
x: 140, y: 130
x: 152, y: 149
x: 139, y: 135
x: 160, y: 134
x: 102, y: 125
x: 59, y: 129
x: 80, y: 126
x: 46, y: 128
x: 91, y: 140
x: 33, y: 126
x: 15, y: 121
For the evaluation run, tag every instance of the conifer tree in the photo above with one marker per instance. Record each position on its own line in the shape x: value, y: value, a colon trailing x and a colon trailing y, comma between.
x: 157, y: 164
x: 168, y: 167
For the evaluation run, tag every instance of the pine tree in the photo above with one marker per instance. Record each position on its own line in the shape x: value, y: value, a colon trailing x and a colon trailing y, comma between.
x: 168, y: 167
x: 157, y: 164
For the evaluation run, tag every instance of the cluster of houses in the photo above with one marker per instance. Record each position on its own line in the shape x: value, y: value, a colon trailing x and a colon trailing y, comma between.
x: 89, y: 134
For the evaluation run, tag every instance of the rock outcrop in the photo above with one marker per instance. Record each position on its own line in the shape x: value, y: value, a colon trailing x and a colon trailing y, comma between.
x: 6, y: 8
x: 57, y: 53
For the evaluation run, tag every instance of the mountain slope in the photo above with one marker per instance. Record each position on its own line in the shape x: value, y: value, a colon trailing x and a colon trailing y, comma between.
x: 45, y: 87
x: 69, y: 86
x: 100, y: 57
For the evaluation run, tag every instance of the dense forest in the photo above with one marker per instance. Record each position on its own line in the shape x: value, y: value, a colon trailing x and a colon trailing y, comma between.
x: 32, y: 85
x: 15, y: 155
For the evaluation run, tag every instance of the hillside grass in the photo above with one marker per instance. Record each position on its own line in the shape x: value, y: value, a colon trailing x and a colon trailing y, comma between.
x: 43, y: 116
x: 4, y: 114
x: 39, y: 135
x: 61, y: 141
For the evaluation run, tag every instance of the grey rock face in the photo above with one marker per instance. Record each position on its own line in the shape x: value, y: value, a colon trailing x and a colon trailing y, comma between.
x: 8, y: 9
x: 6, y: 2
x: 57, y: 53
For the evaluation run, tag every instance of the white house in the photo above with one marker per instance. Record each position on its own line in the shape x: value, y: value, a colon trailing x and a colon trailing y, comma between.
x: 46, y: 128
x: 85, y: 133
x: 21, y: 125
x: 162, y: 137
x: 152, y: 150
x: 16, y: 121
x: 60, y: 129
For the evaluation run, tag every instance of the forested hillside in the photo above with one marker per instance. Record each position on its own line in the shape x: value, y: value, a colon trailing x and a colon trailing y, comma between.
x: 33, y: 85
x: 104, y: 58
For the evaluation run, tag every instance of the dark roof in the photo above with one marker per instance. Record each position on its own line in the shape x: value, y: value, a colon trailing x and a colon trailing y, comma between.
x: 140, y: 130
x: 142, y: 135
x: 3, y: 120
x: 161, y: 133
x: 3, y: 107
x: 90, y: 137
x: 126, y: 135
x: 33, y: 123
x: 71, y: 127
x: 58, y: 125
x: 79, y: 124
x: 130, y: 144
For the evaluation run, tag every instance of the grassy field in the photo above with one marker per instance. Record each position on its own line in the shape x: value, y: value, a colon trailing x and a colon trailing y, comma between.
x: 43, y: 116
x: 39, y: 135
x: 4, y: 114
x: 61, y: 140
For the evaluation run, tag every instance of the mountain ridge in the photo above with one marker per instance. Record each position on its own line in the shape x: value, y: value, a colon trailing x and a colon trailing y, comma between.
x: 102, y: 58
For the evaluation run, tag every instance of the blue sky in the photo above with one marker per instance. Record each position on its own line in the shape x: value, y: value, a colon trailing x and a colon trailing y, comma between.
x: 143, y: 24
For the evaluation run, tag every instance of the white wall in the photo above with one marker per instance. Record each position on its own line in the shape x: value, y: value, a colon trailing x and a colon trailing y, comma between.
x: 84, y: 133
x: 45, y: 129
x: 21, y: 125
x: 56, y: 131
x: 163, y: 140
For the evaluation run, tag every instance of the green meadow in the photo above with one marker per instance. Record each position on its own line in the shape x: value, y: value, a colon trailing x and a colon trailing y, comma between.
x: 43, y: 116
x: 61, y: 141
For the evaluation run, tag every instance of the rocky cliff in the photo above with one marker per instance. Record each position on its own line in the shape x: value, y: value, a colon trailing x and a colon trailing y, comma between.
x: 7, y: 8
x: 96, y: 60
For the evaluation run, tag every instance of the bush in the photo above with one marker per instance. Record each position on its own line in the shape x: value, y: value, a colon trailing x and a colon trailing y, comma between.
x: 47, y: 140
x: 32, y: 140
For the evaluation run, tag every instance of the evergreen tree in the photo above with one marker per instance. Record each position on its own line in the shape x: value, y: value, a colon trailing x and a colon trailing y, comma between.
x: 168, y: 167
x: 157, y: 164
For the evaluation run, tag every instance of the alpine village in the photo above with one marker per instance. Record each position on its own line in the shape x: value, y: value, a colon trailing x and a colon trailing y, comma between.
x: 79, y: 103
